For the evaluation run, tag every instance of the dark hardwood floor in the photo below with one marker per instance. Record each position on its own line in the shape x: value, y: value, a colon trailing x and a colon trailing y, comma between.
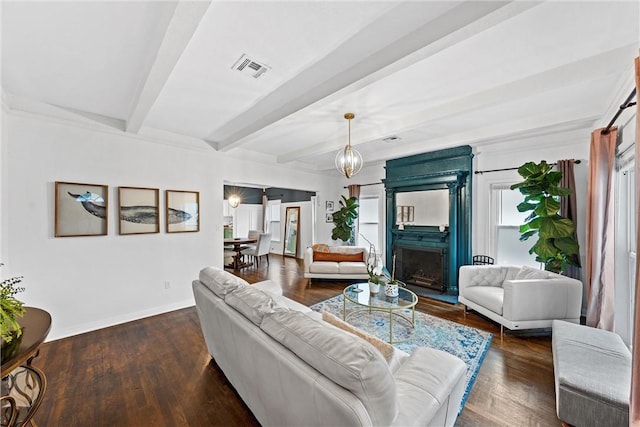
x: 156, y: 371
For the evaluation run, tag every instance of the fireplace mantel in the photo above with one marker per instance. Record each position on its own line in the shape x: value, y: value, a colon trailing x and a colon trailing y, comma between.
x: 445, y: 169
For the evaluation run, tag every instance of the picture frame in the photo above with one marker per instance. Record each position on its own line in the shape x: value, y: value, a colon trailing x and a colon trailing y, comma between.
x: 182, y: 213
x: 138, y: 210
x: 329, y: 206
x: 329, y: 217
x: 80, y: 209
x: 405, y: 214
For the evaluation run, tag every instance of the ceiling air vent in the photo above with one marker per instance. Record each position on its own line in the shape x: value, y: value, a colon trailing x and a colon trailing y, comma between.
x: 250, y: 67
x: 392, y: 138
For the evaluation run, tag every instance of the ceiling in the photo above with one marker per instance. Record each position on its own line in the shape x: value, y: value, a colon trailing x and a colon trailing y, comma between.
x: 435, y: 74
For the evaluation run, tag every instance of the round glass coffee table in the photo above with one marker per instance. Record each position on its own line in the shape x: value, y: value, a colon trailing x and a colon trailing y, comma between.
x: 359, y: 294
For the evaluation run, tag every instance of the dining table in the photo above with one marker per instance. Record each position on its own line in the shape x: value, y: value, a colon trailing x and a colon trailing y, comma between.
x: 239, y: 243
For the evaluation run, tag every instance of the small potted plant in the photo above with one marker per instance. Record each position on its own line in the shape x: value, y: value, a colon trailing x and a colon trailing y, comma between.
x: 391, y: 288
x: 374, y: 268
x: 10, y: 310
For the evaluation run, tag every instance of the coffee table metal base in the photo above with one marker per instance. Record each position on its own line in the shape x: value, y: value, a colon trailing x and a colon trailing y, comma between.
x: 394, y: 312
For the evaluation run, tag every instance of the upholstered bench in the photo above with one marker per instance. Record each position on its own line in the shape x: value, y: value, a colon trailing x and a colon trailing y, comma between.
x: 592, y: 370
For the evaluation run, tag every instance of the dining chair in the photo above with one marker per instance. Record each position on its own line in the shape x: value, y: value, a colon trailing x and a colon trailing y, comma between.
x: 263, y: 245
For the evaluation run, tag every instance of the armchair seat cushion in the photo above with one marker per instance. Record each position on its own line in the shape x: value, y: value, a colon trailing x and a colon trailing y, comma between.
x: 490, y: 297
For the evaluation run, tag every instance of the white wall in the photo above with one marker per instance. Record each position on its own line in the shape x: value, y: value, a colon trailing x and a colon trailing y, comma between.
x: 92, y: 282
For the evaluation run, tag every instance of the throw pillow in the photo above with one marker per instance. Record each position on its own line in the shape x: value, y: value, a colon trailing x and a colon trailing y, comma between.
x: 384, y: 348
x: 320, y: 247
x: 531, y: 273
x: 338, y: 257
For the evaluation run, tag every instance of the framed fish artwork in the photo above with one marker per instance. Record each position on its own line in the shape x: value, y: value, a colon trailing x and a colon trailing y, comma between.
x: 183, y: 211
x: 80, y: 209
x: 138, y: 210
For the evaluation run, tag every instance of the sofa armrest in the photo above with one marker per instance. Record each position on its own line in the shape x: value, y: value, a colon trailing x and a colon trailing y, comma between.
x: 542, y: 299
x: 308, y: 258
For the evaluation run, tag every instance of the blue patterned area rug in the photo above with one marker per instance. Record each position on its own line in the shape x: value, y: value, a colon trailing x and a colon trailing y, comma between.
x: 467, y: 343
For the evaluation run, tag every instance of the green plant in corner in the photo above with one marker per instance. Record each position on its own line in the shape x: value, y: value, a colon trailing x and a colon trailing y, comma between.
x: 557, y: 246
x: 10, y: 309
x: 344, y: 220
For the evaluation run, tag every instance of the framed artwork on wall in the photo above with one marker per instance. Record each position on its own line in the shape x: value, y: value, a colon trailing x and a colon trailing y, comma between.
x: 329, y: 217
x: 329, y: 206
x: 183, y: 211
x: 80, y: 209
x: 138, y: 210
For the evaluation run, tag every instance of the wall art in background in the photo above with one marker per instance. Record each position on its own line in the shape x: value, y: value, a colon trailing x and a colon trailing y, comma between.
x: 329, y: 206
x: 183, y: 211
x: 80, y: 209
x: 138, y: 210
x: 329, y: 217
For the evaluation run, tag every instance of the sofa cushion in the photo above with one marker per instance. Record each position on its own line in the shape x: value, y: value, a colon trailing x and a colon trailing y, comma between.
x: 252, y: 303
x: 490, y: 297
x: 338, y: 256
x: 531, y: 273
x: 343, y: 358
x: 352, y: 268
x: 220, y: 282
x: 324, y: 267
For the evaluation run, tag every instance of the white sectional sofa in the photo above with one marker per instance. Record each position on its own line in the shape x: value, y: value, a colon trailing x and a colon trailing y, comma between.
x: 520, y: 297
x: 293, y: 369
x: 336, y: 262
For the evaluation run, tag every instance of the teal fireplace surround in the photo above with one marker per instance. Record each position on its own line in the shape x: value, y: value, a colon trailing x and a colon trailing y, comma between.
x: 444, y: 169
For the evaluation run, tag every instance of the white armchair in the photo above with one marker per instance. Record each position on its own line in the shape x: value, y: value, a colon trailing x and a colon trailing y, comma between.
x: 520, y: 297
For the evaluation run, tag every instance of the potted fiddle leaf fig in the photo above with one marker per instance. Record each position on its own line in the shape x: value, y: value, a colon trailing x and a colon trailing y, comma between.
x: 556, y: 246
x: 10, y: 310
x: 344, y: 220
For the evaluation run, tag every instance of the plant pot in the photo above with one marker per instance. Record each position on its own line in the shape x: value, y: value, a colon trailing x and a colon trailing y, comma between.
x: 391, y: 289
x: 374, y: 288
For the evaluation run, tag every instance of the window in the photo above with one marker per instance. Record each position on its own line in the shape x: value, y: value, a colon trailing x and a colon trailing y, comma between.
x: 625, y: 243
x: 273, y: 219
x: 369, y: 222
x: 508, y: 248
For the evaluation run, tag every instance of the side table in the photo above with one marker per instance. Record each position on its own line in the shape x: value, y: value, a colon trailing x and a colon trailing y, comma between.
x: 23, y: 386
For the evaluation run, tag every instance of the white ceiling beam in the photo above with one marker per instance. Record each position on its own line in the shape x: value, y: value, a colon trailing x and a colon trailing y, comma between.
x: 365, y: 63
x: 184, y: 22
x: 553, y: 79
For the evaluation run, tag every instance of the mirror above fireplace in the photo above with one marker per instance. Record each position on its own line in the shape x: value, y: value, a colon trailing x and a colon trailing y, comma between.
x: 425, y: 208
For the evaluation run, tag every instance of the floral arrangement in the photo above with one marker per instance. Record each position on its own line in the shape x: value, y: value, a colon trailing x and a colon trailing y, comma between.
x: 374, y: 263
x: 10, y: 309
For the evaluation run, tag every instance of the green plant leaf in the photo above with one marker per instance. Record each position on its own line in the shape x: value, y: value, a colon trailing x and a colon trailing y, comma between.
x: 556, y: 226
x: 545, y: 249
x: 560, y: 191
x: 568, y: 245
x: 528, y: 169
x: 548, y: 206
x: 524, y: 236
x: 524, y: 206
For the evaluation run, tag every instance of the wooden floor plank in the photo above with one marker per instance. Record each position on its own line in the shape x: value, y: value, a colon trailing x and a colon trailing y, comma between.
x: 156, y: 371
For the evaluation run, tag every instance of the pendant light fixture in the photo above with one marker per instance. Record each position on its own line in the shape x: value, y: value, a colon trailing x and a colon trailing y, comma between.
x: 234, y: 200
x: 348, y: 160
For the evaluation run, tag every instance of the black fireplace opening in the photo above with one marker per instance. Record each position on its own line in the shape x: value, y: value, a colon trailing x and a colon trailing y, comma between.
x: 423, y: 267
